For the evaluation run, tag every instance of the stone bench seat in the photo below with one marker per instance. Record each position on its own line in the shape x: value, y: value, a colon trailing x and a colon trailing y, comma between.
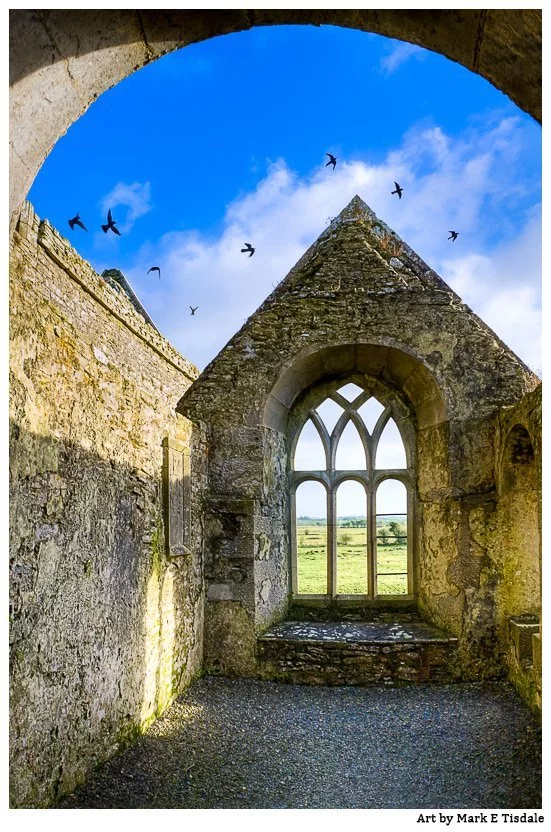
x: 357, y: 653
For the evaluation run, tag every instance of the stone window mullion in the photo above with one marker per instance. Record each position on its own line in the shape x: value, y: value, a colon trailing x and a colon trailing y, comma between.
x: 331, y: 542
x: 366, y: 473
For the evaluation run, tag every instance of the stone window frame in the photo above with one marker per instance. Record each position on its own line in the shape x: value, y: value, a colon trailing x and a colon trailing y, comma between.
x: 176, y: 478
x: 370, y: 478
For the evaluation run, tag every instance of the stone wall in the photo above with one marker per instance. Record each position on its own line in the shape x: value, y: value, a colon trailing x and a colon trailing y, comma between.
x: 361, y: 304
x: 106, y: 627
x: 247, y: 540
x: 516, y: 543
x: 488, y: 587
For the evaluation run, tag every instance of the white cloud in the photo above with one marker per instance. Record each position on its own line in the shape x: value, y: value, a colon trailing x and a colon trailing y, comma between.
x: 136, y: 198
x: 399, y: 54
x: 469, y: 184
x: 504, y: 290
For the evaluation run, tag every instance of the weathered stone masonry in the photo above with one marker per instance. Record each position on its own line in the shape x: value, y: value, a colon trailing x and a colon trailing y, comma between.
x: 113, y: 502
x: 515, y: 542
x: 105, y: 628
x: 361, y: 306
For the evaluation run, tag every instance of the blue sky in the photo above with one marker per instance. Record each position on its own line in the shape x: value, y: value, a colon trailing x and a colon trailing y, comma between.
x: 203, y: 124
x: 223, y: 142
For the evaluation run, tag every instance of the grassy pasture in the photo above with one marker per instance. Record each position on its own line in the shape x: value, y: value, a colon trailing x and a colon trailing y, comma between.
x: 351, y: 562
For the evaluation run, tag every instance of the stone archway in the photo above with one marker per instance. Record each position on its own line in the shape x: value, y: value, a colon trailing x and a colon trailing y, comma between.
x: 62, y: 60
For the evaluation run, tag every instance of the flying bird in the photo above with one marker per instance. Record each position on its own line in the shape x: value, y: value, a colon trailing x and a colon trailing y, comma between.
x: 193, y: 309
x: 111, y: 223
x: 155, y: 269
x: 248, y: 248
x: 398, y: 190
x: 332, y: 160
x: 77, y: 221
x: 453, y: 235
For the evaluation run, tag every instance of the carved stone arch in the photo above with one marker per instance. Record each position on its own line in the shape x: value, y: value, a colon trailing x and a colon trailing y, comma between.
x: 518, y: 446
x: 399, y: 474
x: 350, y: 416
x: 408, y: 440
x: 352, y: 476
x: 51, y: 48
x: 393, y: 373
x: 295, y: 437
x: 309, y: 476
x: 396, y: 407
x: 519, y: 514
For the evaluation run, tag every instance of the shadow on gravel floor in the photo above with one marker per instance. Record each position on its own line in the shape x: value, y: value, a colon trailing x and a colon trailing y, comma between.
x: 228, y: 744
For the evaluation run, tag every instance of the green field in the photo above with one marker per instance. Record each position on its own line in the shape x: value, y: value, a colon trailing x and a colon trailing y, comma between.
x: 351, y: 562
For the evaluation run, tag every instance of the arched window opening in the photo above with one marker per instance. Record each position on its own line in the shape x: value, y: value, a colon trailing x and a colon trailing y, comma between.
x: 392, y: 538
x: 350, y: 518
x: 370, y: 412
x: 350, y: 392
x: 311, y: 538
x: 352, y: 554
x: 350, y: 450
x: 519, y: 446
x: 309, y: 453
x: 519, y: 470
x: 329, y: 412
x: 390, y: 448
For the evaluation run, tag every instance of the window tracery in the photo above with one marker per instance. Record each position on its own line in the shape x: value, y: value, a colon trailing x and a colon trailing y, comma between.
x: 348, y: 448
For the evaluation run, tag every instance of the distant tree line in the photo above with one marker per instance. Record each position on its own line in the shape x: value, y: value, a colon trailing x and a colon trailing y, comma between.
x: 391, y: 533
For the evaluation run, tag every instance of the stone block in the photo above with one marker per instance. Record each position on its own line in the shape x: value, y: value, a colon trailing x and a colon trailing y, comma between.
x: 522, y: 629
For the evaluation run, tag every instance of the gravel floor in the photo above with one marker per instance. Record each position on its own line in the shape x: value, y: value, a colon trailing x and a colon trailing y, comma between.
x: 246, y: 744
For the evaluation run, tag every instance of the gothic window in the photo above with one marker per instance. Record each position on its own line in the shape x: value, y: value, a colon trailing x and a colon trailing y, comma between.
x: 351, y: 538
x: 391, y: 538
x: 390, y: 448
x: 310, y: 453
x: 350, y: 451
x: 350, y: 483
x: 311, y: 538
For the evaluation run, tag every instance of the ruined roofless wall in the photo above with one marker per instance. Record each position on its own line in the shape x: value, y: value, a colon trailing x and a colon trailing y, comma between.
x: 104, y: 629
x: 515, y: 542
x: 360, y: 301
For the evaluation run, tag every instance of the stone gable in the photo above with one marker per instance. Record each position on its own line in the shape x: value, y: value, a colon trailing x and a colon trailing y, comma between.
x: 359, y: 283
x: 360, y: 306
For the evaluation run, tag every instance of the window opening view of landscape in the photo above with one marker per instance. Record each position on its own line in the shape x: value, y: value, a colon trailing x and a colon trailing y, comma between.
x: 352, y: 549
x: 392, y: 555
x: 351, y: 533
x: 312, y: 538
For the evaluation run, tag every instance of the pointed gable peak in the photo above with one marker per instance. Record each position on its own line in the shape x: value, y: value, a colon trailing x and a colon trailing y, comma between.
x: 380, y: 236
x: 355, y: 208
x: 382, y: 258
x: 362, y: 283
